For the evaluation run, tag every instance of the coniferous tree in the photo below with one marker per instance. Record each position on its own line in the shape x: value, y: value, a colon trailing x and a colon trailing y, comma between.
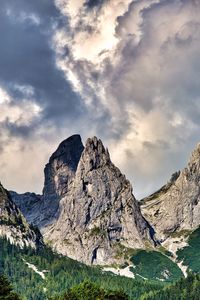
x: 6, y: 290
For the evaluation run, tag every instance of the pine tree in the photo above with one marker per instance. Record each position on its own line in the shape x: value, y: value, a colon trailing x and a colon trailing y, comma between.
x: 6, y: 290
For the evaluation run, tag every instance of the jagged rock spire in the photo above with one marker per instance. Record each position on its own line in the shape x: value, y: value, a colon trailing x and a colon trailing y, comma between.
x: 99, y: 214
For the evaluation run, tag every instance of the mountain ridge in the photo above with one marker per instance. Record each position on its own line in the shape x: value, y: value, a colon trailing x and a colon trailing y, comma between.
x: 13, y: 224
x: 95, y: 217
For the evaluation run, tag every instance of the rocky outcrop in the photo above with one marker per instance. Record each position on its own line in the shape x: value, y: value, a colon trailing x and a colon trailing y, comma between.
x: 88, y: 211
x: 30, y: 205
x: 100, y: 217
x: 176, y: 207
x: 13, y: 225
x: 60, y: 170
x: 42, y: 210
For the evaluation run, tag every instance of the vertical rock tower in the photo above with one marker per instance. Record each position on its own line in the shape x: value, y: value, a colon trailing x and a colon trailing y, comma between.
x: 99, y: 215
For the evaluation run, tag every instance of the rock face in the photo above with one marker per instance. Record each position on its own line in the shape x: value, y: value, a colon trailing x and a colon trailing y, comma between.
x: 88, y: 212
x: 13, y: 225
x: 42, y: 210
x: 30, y: 205
x: 176, y: 206
x: 60, y: 170
x: 99, y: 215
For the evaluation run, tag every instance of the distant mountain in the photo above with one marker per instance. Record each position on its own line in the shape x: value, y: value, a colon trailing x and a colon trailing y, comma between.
x: 13, y: 225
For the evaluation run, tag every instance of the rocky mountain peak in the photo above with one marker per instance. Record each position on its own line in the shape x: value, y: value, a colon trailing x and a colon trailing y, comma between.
x: 95, y: 155
x: 69, y: 151
x: 87, y: 211
x: 195, y: 156
x: 176, y: 206
x: 62, y: 166
x: 59, y: 172
x: 99, y: 214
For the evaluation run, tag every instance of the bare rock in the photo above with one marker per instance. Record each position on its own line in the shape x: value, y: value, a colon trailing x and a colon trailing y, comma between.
x: 13, y: 225
x: 99, y: 214
x: 42, y: 210
x: 176, y: 206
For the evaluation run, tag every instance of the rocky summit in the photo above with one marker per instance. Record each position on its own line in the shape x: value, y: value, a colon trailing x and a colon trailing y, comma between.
x: 87, y: 210
x: 99, y: 216
x: 13, y: 225
x: 42, y: 210
x: 175, y: 208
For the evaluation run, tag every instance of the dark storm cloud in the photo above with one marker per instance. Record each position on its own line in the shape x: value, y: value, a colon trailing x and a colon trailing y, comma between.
x: 94, y: 3
x: 27, y: 59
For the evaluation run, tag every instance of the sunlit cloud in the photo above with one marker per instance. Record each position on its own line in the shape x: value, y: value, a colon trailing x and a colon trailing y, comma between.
x: 126, y: 71
x: 135, y: 61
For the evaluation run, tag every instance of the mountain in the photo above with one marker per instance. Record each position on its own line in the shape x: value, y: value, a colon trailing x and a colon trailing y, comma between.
x: 13, y: 225
x: 87, y: 210
x: 99, y: 214
x: 42, y: 210
x: 175, y: 209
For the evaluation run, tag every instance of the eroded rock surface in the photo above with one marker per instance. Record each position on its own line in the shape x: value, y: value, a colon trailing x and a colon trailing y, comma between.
x: 176, y: 207
x: 99, y: 214
x: 42, y: 210
x: 13, y: 225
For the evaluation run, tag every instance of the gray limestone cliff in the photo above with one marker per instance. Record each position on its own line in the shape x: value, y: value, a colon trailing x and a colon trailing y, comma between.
x: 176, y: 207
x: 13, y: 225
x: 42, y: 210
x: 99, y: 214
x: 88, y: 211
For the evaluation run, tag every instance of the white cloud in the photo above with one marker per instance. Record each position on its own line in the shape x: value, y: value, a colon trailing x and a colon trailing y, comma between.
x: 4, y: 97
x: 139, y: 62
x: 22, y: 17
x: 20, y: 114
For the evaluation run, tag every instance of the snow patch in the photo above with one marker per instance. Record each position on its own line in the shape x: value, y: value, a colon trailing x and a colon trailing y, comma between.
x: 121, y: 272
x: 183, y: 268
x: 35, y: 269
x: 142, y: 276
x: 173, y: 245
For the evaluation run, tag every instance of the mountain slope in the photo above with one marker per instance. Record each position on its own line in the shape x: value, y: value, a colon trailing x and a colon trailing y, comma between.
x: 13, y: 225
x: 176, y: 207
x: 61, y: 273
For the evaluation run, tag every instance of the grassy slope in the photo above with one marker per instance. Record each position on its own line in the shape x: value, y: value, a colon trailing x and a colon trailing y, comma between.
x: 190, y: 255
x: 155, y: 265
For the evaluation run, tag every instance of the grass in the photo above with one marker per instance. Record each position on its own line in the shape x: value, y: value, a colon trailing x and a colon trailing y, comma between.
x: 154, y: 265
x: 190, y: 254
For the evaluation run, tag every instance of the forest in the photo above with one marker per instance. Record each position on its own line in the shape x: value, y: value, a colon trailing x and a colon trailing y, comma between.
x: 66, y: 279
x: 184, y: 289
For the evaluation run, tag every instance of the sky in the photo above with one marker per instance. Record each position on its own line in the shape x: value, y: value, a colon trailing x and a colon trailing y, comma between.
x: 125, y: 71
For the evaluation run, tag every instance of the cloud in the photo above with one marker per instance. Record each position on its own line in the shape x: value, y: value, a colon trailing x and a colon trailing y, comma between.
x: 27, y: 59
x: 37, y: 103
x: 94, y: 3
x: 127, y: 71
x: 138, y: 62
